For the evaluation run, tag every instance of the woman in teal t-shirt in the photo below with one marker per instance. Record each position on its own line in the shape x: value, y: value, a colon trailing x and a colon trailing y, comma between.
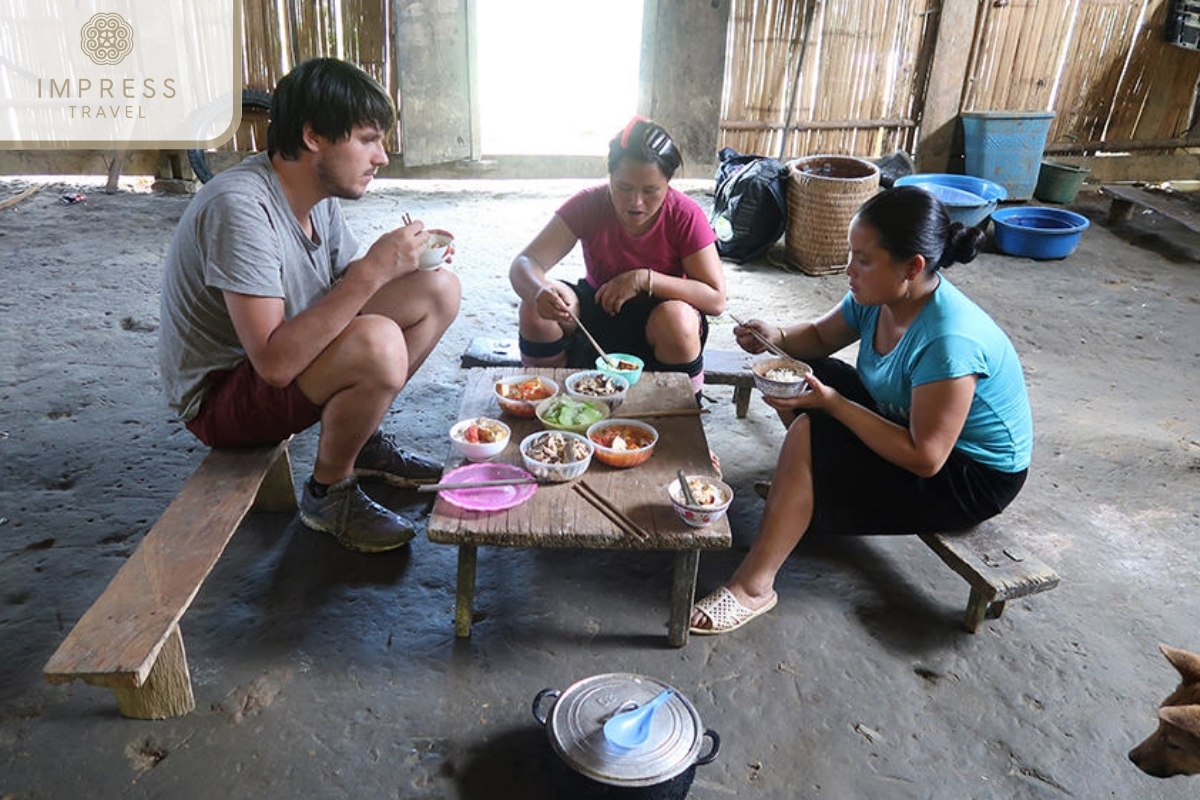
x: 931, y: 431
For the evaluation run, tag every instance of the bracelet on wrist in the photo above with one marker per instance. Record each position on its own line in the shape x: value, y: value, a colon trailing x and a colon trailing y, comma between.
x: 782, y: 338
x: 649, y: 282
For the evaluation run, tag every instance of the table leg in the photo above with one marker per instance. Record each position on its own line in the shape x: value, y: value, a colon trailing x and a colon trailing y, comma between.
x: 683, y: 595
x: 465, y: 600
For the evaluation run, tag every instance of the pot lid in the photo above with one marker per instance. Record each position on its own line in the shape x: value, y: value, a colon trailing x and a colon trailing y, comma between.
x: 576, y: 729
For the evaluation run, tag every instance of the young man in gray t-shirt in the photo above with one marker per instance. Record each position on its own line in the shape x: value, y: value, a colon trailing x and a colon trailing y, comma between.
x: 270, y: 324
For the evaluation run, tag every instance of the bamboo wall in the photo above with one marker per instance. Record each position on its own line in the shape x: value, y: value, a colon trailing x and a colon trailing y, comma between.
x: 279, y: 34
x: 855, y: 83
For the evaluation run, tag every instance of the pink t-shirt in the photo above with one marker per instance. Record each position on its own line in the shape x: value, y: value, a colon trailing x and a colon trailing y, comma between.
x: 608, y: 250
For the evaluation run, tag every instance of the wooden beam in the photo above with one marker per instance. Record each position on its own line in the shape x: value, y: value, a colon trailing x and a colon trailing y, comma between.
x: 947, y: 77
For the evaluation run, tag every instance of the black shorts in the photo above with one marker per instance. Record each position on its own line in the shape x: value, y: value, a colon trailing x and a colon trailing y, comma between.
x: 624, y: 332
x: 858, y: 492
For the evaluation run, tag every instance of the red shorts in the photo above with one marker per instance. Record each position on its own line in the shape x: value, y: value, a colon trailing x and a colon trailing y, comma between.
x: 240, y: 409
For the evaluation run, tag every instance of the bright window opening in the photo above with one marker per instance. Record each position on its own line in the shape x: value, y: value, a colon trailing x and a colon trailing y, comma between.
x: 555, y: 77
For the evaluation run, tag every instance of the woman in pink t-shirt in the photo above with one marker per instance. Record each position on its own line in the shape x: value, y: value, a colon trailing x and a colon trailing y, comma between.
x: 653, y: 273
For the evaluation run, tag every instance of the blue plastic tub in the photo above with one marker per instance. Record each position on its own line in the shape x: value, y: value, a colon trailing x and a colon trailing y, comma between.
x: 969, y: 200
x: 1006, y: 147
x: 1035, y: 232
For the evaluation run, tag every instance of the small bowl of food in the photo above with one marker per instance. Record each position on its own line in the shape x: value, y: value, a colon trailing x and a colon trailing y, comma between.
x: 780, y: 377
x: 556, y: 456
x: 712, y: 500
x: 623, y: 442
x: 520, y: 394
x: 436, y: 248
x: 565, y: 413
x: 480, y: 438
x: 623, y: 366
x: 593, y: 384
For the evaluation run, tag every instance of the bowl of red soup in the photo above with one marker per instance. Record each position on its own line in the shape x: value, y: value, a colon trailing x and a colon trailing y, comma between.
x: 519, y: 395
x: 622, y: 442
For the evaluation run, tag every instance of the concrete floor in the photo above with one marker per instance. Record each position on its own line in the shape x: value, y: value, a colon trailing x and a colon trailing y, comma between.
x: 323, y: 674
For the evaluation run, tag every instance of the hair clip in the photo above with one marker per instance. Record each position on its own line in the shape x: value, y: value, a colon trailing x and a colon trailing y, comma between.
x: 629, y: 129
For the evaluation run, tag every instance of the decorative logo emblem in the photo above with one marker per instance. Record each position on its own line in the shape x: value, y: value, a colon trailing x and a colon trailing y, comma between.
x: 106, y: 38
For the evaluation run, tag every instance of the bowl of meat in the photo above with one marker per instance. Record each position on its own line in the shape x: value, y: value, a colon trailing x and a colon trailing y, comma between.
x: 621, y: 365
x: 592, y: 384
x: 556, y: 456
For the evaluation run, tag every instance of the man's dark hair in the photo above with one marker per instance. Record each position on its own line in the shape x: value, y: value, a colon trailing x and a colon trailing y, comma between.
x: 331, y: 96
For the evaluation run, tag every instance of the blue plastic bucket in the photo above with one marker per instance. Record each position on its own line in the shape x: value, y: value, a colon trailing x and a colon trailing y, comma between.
x: 1006, y: 147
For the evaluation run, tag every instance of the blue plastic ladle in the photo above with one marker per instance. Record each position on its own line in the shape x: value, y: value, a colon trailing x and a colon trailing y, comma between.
x: 628, y: 729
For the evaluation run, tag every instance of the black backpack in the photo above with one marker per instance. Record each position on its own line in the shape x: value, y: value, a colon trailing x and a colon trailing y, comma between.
x: 749, y: 209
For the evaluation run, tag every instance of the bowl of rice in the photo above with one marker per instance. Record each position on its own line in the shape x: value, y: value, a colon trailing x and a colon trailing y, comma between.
x: 780, y: 377
x: 711, y: 495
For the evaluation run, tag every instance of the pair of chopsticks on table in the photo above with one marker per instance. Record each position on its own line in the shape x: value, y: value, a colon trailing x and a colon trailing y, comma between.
x: 765, y: 342
x: 605, y: 507
x: 437, y: 487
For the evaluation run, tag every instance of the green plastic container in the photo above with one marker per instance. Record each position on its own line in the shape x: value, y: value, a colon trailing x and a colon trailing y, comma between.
x: 1006, y: 147
x: 1058, y: 182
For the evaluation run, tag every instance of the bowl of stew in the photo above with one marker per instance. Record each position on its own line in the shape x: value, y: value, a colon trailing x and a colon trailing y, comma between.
x: 622, y: 442
x: 519, y: 395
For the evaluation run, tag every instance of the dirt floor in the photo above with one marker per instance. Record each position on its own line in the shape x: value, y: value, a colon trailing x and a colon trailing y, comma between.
x: 324, y: 674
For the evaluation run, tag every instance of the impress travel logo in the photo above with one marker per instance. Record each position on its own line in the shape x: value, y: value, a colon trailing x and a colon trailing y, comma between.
x: 107, y: 39
x: 120, y: 74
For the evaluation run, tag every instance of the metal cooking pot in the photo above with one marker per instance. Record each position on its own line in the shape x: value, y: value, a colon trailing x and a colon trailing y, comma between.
x: 663, y: 767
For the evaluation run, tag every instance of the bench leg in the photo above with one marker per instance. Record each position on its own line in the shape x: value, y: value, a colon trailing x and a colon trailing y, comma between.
x: 1119, y: 211
x: 741, y: 398
x: 277, y: 492
x: 977, y: 609
x: 465, y: 596
x: 167, y: 691
x: 683, y: 596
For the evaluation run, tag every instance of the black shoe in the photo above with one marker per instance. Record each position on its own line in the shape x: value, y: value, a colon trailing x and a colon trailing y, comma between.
x: 381, y: 458
x: 354, y: 519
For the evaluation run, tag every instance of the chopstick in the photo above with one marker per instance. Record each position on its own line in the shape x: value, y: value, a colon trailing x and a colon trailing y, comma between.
x: 670, y: 412
x: 595, y: 344
x: 408, y: 221
x: 437, y: 487
x: 612, y: 512
x: 766, y: 342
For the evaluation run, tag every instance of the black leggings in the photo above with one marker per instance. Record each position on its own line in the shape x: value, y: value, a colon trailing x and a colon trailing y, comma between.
x: 858, y: 492
x: 623, y: 333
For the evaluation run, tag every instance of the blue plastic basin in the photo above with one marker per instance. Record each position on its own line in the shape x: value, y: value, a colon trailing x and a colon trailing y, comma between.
x: 947, y: 186
x: 1035, y: 232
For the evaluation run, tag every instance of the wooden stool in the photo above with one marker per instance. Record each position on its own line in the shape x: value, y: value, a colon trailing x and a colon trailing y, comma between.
x: 996, y: 566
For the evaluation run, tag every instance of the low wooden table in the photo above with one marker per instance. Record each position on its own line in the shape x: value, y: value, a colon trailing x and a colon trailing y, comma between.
x: 556, y: 516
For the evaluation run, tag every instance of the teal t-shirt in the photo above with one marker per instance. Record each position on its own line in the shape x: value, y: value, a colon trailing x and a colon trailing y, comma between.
x: 950, y: 338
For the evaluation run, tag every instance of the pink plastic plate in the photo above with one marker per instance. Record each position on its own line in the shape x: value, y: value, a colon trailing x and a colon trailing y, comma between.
x: 487, y: 498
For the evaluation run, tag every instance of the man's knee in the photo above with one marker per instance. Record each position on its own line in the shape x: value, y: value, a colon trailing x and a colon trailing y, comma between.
x: 379, y: 347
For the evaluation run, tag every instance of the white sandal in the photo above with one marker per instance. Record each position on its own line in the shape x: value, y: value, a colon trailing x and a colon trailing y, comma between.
x: 726, y: 613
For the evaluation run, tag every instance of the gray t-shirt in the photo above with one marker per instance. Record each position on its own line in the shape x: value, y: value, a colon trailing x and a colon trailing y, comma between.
x: 239, y: 234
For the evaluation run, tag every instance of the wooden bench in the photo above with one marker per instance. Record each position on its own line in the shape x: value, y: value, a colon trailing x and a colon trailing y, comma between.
x: 1124, y: 198
x: 996, y: 566
x: 129, y: 639
x: 721, y: 367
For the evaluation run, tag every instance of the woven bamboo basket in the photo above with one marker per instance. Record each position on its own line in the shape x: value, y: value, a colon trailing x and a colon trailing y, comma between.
x: 824, y: 191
